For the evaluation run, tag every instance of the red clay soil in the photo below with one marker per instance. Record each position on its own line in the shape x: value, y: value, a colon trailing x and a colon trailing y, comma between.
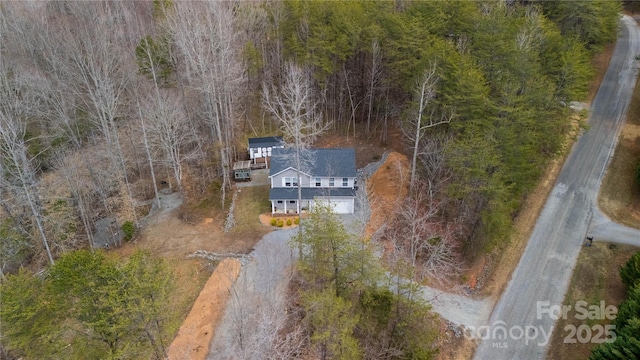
x: 196, y: 332
x: 387, y: 187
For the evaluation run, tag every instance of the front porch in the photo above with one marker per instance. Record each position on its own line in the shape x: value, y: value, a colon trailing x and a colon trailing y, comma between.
x: 284, y: 207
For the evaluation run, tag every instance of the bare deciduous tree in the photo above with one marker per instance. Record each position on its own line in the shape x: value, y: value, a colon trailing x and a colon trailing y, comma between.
x: 78, y: 181
x: 168, y: 131
x: 426, y: 241
x: 62, y: 107
x: 374, y: 77
x: 105, y: 84
x: 16, y: 168
x: 86, y: 58
x: 294, y: 107
x: 352, y: 103
x: 425, y: 92
x: 531, y: 33
x: 291, y: 344
x: 91, y: 54
x: 205, y: 36
x: 147, y: 148
x: 437, y: 173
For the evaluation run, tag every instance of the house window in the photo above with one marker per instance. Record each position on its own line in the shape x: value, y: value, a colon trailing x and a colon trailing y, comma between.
x: 332, y: 182
x: 345, y: 182
x: 279, y: 201
x: 318, y: 182
x: 292, y: 201
x: 290, y: 181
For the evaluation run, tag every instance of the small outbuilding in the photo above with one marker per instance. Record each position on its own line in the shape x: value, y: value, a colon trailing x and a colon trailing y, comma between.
x: 242, y: 170
x: 260, y: 148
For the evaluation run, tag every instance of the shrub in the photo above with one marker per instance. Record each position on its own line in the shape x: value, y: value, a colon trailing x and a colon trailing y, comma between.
x: 274, y: 222
x: 280, y: 223
x: 288, y: 222
x: 638, y: 173
x: 128, y: 230
x: 630, y: 272
x: 296, y: 221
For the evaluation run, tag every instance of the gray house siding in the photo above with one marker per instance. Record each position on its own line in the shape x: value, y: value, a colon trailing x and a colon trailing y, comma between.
x: 278, y: 179
x: 331, y: 180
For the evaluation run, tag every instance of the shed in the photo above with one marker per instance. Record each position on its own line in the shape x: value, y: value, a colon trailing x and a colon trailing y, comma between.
x: 261, y: 147
x: 242, y: 170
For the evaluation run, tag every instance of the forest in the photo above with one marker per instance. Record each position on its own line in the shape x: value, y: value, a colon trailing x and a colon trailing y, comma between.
x: 100, y: 102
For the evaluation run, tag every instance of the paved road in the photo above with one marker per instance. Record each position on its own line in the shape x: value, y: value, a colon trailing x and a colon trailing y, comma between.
x: 542, y: 276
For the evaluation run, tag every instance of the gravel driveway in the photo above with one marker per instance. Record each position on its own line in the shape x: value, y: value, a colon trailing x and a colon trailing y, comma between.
x: 603, y: 229
x: 256, y: 309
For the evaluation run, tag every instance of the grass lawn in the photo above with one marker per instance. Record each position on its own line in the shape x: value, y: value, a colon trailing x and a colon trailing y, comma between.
x: 251, y: 202
x: 595, y: 279
x: 189, y: 278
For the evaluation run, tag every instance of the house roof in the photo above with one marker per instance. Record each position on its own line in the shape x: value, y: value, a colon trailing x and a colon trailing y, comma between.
x: 291, y: 193
x: 265, y: 141
x: 319, y: 162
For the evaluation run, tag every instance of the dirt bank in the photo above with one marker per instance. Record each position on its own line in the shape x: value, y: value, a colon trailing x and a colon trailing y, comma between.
x: 195, y: 334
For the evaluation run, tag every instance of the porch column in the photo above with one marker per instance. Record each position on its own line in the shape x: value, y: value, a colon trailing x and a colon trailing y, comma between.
x: 273, y: 208
x: 285, y: 206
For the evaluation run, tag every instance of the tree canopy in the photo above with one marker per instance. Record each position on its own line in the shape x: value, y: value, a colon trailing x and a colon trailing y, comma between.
x: 352, y: 309
x: 627, y: 324
x: 88, y: 306
x: 505, y: 72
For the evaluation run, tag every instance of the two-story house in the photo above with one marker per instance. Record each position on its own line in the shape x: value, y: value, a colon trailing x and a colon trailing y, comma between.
x: 327, y: 176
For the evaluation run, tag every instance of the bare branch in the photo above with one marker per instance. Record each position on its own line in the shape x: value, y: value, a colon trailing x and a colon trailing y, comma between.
x: 294, y: 108
x: 16, y: 168
x: 425, y: 92
x: 425, y: 240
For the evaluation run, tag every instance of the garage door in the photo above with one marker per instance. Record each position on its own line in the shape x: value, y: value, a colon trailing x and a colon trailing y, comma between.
x: 338, y: 206
x: 342, y: 206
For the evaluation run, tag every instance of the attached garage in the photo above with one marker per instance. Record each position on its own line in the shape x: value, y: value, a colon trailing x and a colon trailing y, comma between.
x: 285, y: 200
x: 338, y: 205
x: 335, y: 189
